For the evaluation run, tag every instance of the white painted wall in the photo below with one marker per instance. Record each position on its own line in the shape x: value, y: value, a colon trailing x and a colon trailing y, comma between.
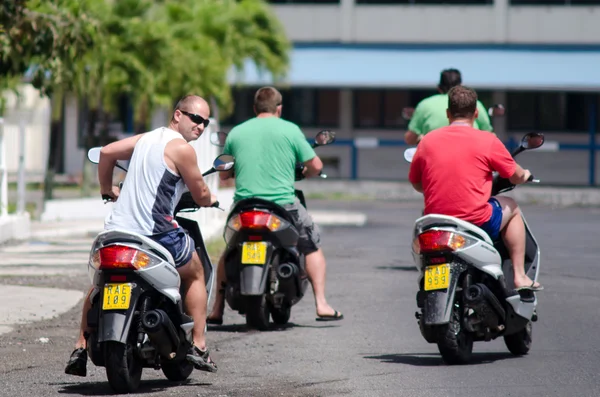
x: 499, y: 23
x: 35, y: 110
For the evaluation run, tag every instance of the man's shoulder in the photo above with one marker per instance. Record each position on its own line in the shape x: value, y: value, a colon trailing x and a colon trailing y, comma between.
x: 432, y: 100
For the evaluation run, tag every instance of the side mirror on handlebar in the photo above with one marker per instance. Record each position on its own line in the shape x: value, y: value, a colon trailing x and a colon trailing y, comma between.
x: 217, y: 138
x: 409, y: 154
x: 324, y: 137
x: 94, y: 154
x: 496, y: 110
x: 533, y: 140
x: 223, y: 162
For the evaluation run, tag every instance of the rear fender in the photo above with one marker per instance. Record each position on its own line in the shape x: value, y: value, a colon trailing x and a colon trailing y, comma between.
x: 437, y: 305
x: 114, y: 325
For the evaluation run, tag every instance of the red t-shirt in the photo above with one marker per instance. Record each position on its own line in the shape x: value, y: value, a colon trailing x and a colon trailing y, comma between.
x: 454, y: 165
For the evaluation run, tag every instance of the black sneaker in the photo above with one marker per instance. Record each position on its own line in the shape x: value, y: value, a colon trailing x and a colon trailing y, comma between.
x: 77, y: 364
x: 201, y: 360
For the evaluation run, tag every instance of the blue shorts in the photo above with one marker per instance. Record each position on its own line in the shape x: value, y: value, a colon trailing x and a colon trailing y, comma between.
x: 492, y: 226
x: 179, y: 243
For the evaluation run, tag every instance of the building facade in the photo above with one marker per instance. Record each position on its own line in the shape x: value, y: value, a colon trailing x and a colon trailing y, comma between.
x: 357, y: 63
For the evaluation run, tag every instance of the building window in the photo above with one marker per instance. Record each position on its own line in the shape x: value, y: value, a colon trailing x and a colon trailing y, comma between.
x: 548, y: 111
x: 306, y: 107
x: 449, y: 2
x: 380, y: 109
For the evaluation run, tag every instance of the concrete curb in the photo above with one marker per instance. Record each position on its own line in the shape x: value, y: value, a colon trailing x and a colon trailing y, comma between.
x: 403, y: 191
x: 22, y: 305
x: 14, y: 227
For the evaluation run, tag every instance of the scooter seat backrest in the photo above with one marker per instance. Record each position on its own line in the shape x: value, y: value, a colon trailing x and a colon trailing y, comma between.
x: 257, y: 203
x: 116, y: 236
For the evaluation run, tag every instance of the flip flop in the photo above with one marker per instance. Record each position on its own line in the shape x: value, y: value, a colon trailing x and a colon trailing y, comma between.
x: 201, y: 359
x: 530, y: 288
x: 335, y: 317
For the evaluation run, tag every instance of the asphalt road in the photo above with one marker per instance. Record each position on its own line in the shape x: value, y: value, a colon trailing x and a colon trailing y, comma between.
x: 377, y: 349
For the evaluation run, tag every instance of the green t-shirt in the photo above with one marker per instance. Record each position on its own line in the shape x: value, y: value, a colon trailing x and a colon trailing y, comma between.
x: 430, y: 114
x: 266, y: 151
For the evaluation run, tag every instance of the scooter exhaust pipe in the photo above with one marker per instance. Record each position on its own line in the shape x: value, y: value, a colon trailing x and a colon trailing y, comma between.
x: 162, y: 333
x: 287, y: 270
x: 477, y: 294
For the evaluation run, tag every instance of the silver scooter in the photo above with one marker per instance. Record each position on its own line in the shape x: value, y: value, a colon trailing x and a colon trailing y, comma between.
x: 466, y: 291
x: 137, y: 317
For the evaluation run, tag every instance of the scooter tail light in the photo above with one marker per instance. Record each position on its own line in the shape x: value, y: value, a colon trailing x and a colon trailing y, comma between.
x: 120, y: 257
x: 255, y: 220
x: 441, y: 240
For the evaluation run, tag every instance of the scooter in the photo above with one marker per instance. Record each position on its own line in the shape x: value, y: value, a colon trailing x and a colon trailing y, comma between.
x: 265, y: 271
x: 137, y: 319
x: 466, y: 291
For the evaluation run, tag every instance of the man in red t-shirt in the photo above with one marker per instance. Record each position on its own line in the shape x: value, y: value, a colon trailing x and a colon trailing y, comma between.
x: 453, y: 167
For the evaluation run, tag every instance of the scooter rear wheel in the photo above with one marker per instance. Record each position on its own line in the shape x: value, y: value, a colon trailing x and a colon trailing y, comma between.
x: 454, y: 342
x: 257, y: 312
x: 123, y: 367
x: 520, y: 343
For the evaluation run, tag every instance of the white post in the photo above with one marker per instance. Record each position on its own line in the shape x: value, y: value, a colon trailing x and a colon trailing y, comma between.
x: 21, y: 175
x: 3, y: 174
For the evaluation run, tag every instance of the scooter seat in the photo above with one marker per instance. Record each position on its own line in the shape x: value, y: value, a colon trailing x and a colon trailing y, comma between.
x: 437, y: 220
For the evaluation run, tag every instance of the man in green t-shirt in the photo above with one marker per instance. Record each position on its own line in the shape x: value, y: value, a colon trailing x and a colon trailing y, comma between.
x: 266, y: 150
x: 430, y: 113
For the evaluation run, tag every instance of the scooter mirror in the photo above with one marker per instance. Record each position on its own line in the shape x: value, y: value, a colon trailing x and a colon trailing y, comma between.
x: 409, y: 154
x: 533, y: 140
x: 407, y: 113
x: 224, y: 162
x: 325, y: 137
x: 94, y: 154
x: 496, y: 110
x: 217, y: 138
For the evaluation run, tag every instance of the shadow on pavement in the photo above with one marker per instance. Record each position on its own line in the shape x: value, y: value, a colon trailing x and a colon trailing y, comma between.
x: 433, y: 359
x: 273, y: 328
x: 103, y: 388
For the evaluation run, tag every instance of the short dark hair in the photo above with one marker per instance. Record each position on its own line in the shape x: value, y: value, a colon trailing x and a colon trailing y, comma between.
x: 266, y: 100
x: 462, y: 102
x: 449, y: 78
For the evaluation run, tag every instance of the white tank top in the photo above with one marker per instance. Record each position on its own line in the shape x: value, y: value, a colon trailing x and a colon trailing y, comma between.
x: 150, y: 191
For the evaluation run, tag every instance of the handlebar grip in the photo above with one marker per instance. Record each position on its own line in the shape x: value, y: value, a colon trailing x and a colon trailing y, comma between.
x: 106, y: 197
x: 216, y: 204
x: 530, y: 178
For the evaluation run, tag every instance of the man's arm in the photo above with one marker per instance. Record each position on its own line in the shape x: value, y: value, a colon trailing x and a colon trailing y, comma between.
x: 312, y: 167
x: 483, y: 119
x: 109, y: 154
x: 520, y: 175
x: 184, y: 157
x: 418, y: 187
x: 415, y: 127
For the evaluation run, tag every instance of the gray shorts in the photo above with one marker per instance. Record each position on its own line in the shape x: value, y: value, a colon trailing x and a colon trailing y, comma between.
x: 310, y: 236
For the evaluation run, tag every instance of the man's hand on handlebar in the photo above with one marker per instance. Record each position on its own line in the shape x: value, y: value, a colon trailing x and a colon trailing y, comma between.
x: 111, y: 195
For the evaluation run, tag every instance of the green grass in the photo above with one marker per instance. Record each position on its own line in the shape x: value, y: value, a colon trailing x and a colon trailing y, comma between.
x: 215, y: 247
x: 29, y: 207
x: 337, y: 196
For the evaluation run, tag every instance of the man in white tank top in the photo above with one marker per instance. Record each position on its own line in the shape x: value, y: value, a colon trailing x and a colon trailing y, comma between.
x: 162, y: 164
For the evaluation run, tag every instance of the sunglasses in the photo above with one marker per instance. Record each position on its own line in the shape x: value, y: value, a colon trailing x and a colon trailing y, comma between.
x: 196, y: 118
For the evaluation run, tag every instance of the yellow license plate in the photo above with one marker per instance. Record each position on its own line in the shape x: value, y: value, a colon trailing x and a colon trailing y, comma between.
x: 254, y: 253
x: 437, y: 277
x: 116, y: 297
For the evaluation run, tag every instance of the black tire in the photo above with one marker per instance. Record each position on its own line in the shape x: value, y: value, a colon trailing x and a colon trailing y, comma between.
x: 123, y: 367
x: 177, y: 371
x: 257, y: 312
x: 519, y: 344
x: 282, y: 315
x: 455, y: 343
